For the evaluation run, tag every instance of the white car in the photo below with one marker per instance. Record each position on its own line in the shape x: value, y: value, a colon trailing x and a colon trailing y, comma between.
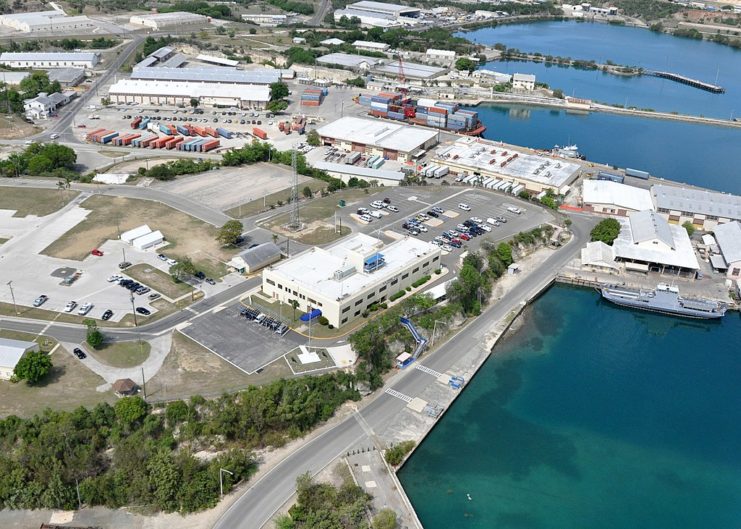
x: 464, y: 207
x: 114, y: 278
x: 485, y: 227
x: 70, y: 306
x: 54, y: 136
x: 421, y: 228
x: 366, y: 218
x: 477, y: 220
x: 377, y: 205
x: 392, y: 208
x: 376, y: 214
x: 172, y: 262
x: 513, y: 209
x: 84, y: 309
x: 447, y: 248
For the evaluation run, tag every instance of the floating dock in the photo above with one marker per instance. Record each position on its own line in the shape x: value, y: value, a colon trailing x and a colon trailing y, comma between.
x: 688, y: 81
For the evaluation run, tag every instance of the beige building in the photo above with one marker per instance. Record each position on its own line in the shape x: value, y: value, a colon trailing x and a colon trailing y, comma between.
x: 343, y: 280
x: 611, y: 198
x: 728, y: 236
x: 704, y: 209
x: 180, y: 93
x: 177, y: 19
x: 523, y: 81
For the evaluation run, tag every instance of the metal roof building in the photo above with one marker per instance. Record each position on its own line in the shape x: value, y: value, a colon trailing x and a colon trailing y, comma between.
x: 728, y: 236
x: 345, y: 171
x: 263, y: 76
x: 704, y: 209
x: 411, y: 70
x: 647, y: 242
x: 50, y: 59
x: 169, y: 20
x: 391, y: 140
x: 221, y: 61
x: 612, y: 198
x: 257, y: 258
x: 180, y: 93
x: 45, y: 21
x: 369, y: 45
x: 11, y: 351
x: 67, y: 76
x: 356, y: 62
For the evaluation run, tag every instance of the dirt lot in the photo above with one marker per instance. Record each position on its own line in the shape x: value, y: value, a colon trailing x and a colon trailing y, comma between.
x: 191, y: 369
x: 187, y: 236
x: 158, y: 280
x: 134, y: 165
x: 39, y: 202
x: 264, y: 204
x: 122, y: 354
x: 14, y: 127
x: 69, y: 385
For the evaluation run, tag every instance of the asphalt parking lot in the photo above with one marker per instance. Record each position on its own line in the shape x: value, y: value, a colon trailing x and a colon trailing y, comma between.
x: 241, y: 342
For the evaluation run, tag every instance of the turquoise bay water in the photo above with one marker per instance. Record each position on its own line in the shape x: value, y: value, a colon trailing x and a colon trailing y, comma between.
x: 701, y: 155
x: 702, y: 60
x: 591, y: 416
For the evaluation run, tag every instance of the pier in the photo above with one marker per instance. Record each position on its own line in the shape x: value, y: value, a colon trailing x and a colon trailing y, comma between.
x: 688, y: 81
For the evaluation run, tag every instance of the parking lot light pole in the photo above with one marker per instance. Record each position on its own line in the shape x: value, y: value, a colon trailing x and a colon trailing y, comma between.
x: 221, y: 480
x: 434, y: 331
x: 133, y: 309
x: 12, y: 295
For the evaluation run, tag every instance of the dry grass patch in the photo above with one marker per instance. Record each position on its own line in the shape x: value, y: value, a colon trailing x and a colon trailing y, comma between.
x: 29, y: 201
x: 158, y: 280
x: 122, y: 354
x: 13, y: 127
x: 186, y: 235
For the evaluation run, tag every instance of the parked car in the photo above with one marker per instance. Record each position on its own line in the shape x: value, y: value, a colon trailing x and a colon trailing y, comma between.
x: 96, y: 252
x: 477, y: 220
x: 433, y: 214
x: 84, y: 309
x: 144, y: 311
x: 392, y: 208
x: 375, y: 214
x: 79, y: 353
x: 485, y: 227
x: 513, y: 209
x: 210, y: 281
x: 465, y: 237
x: 107, y: 315
x: 40, y: 300
x: 162, y: 257
x: 70, y: 306
x: 200, y: 275
x: 464, y: 207
x: 447, y: 248
x: 153, y: 296
x: 114, y: 278
x: 124, y: 265
x: 438, y: 210
x: 366, y: 218
x: 172, y: 262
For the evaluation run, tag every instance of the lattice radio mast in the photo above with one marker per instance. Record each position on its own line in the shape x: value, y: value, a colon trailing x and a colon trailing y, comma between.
x: 295, y: 223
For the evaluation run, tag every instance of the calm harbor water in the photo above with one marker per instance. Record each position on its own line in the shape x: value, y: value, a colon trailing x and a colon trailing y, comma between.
x: 707, y: 61
x: 575, y: 423
x: 701, y: 155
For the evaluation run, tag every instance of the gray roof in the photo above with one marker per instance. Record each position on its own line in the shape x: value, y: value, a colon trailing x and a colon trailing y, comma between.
x: 347, y: 59
x: 728, y: 236
x: 208, y: 75
x: 162, y: 52
x: 697, y: 201
x: 66, y: 75
x: 48, y: 56
x: 383, y: 7
x: 418, y: 71
x: 648, y: 226
x: 176, y: 61
x: 259, y: 255
x: 356, y: 170
x: 12, y: 350
x: 523, y: 77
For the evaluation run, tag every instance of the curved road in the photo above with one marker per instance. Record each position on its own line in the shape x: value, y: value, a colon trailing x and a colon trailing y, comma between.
x: 262, y: 500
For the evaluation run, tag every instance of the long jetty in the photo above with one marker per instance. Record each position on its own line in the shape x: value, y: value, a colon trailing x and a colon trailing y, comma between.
x: 688, y: 81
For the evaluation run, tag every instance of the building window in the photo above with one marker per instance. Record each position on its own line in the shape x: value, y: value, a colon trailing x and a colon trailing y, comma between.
x: 405, y: 275
x: 312, y: 301
x: 344, y: 320
x: 358, y: 302
x: 345, y: 309
x: 270, y: 282
x: 425, y: 264
x: 396, y: 280
x: 736, y: 271
x: 415, y: 270
x: 436, y: 258
x: 382, y: 288
x: 371, y: 295
x: 357, y: 313
x: 280, y: 287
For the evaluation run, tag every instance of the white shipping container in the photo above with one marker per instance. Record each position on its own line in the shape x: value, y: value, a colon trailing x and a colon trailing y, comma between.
x: 441, y: 171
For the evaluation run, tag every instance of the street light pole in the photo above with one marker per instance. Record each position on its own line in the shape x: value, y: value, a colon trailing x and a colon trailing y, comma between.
x: 133, y: 310
x: 12, y: 295
x: 221, y: 480
x: 434, y: 331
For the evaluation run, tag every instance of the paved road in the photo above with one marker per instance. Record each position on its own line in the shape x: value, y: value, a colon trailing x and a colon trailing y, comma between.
x: 318, y: 17
x: 181, y: 203
x: 260, y: 502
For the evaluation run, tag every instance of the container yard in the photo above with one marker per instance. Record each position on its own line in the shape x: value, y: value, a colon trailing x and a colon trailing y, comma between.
x: 313, y: 97
x: 426, y: 112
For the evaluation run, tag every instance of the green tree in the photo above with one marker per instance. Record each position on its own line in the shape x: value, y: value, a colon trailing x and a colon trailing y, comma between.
x: 278, y: 91
x: 689, y: 227
x: 277, y: 106
x: 396, y: 454
x: 94, y: 337
x: 33, y: 367
x: 504, y: 253
x: 313, y: 138
x: 39, y: 165
x: 182, y: 269
x: 385, y: 519
x: 307, y: 192
x: 194, y: 102
x: 131, y: 410
x: 464, y: 63
x: 229, y: 232
x: 606, y: 231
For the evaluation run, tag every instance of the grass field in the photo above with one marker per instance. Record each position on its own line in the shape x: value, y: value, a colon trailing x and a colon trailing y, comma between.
x: 324, y: 208
x: 263, y: 204
x: 122, y: 354
x: 30, y: 201
x: 325, y: 361
x: 3, y: 240
x: 69, y: 385
x: 158, y: 280
x: 187, y: 236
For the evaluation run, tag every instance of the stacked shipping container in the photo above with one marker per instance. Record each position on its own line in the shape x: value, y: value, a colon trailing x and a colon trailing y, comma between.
x: 313, y: 97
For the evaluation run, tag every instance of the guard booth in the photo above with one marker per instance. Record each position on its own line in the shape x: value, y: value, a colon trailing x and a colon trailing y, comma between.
x: 403, y: 360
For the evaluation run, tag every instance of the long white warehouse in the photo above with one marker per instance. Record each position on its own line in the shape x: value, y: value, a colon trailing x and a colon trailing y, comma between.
x: 177, y: 19
x: 174, y: 93
x: 343, y: 280
x: 50, y: 60
x: 45, y: 21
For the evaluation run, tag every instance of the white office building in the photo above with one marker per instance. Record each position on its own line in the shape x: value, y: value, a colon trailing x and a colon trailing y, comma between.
x: 177, y: 19
x: 44, y: 105
x: 370, y: 46
x: 523, y: 81
x: 11, y: 351
x: 267, y: 20
x: 50, y: 59
x: 440, y: 55
x: 343, y: 280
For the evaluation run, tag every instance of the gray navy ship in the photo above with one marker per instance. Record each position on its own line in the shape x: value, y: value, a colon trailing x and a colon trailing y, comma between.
x: 664, y: 299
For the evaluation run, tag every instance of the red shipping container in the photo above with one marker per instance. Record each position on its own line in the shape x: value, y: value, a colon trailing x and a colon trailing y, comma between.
x: 436, y: 110
x: 260, y: 133
x: 210, y: 145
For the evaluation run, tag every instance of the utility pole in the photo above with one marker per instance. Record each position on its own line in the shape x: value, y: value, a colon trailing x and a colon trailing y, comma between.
x: 133, y: 310
x: 12, y: 295
x: 221, y: 480
x: 295, y: 223
x: 144, y: 382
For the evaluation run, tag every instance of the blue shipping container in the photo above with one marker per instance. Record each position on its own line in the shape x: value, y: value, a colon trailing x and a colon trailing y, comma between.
x: 224, y: 133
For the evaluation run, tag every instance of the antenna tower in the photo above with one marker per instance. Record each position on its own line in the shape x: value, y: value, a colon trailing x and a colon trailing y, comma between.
x: 295, y: 223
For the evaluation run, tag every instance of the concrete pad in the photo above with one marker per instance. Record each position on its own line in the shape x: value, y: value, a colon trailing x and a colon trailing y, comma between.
x: 343, y: 355
x: 433, y: 223
x: 60, y: 517
x: 417, y: 405
x: 451, y: 214
x: 444, y: 379
x: 307, y: 357
x: 395, y: 235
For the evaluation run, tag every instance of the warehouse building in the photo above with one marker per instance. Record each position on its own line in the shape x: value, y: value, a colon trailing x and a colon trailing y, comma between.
x: 334, y: 41
x: 46, y: 22
x: 129, y: 236
x: 67, y: 77
x: 148, y: 240
x: 728, y: 236
x: 496, y: 167
x: 393, y: 141
x: 11, y: 351
x: 704, y: 209
x: 370, y: 46
x: 144, y: 92
x: 612, y: 198
x: 648, y: 243
x: 353, y: 62
x: 343, y: 280
x: 221, y: 61
x: 413, y: 72
x: 267, y: 20
x: 379, y: 14
x: 178, y: 19
x: 345, y: 172
x: 262, y: 76
x: 50, y: 60
x: 440, y: 55
x: 257, y: 258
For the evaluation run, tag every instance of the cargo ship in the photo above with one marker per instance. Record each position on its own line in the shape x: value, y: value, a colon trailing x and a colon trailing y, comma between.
x: 443, y: 115
x: 664, y: 299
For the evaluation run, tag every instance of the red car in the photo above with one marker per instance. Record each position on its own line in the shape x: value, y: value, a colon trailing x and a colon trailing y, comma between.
x: 97, y: 253
x: 465, y: 236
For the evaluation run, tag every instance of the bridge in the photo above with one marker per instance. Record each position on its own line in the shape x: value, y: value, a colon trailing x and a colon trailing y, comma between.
x: 688, y: 81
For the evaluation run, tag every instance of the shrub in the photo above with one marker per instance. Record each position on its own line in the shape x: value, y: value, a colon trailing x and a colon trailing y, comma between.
x: 421, y: 281
x: 396, y: 454
x: 399, y: 294
x: 323, y: 320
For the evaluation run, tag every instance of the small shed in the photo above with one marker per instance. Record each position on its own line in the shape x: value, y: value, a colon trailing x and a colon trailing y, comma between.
x: 148, y: 241
x: 124, y: 387
x: 11, y: 351
x: 254, y: 259
x: 513, y: 269
x: 129, y: 236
